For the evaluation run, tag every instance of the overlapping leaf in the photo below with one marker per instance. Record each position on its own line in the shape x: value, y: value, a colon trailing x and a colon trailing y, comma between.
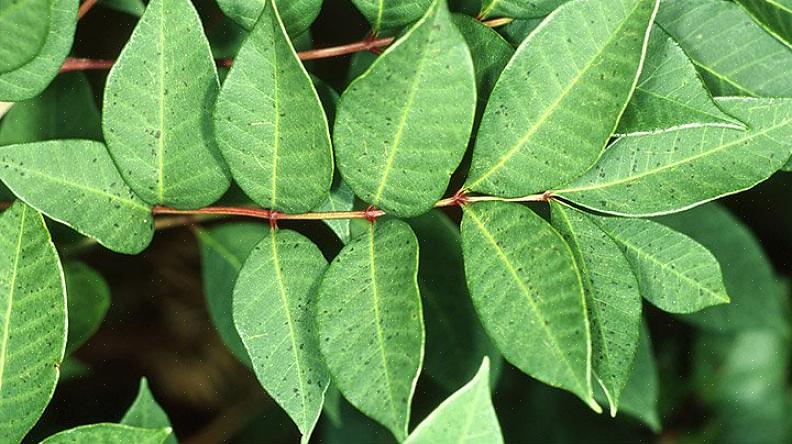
x: 466, y: 416
x: 671, y: 171
x: 145, y: 412
x: 25, y: 25
x: 270, y: 124
x: 31, y: 78
x: 396, y: 146
x: 157, y: 106
x: 640, y: 395
x: 370, y: 322
x: 670, y: 93
x: 76, y: 182
x: 558, y: 100
x: 87, y: 304
x: 521, y: 9
x: 386, y: 14
x: 274, y: 303
x: 773, y: 15
x: 612, y: 299
x: 734, y: 55
x: 674, y: 272
x: 132, y: 7
x: 297, y: 14
x: 340, y: 198
x: 32, y: 320
x: 516, y: 31
x: 107, y: 433
x: 528, y: 294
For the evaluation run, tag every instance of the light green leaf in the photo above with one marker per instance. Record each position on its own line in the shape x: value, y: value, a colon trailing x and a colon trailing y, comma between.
x: 528, y: 294
x: 106, y: 433
x: 297, y: 14
x: 758, y: 298
x: 30, y: 79
x: 274, y: 306
x: 387, y: 14
x: 25, y: 25
x: 612, y: 299
x: 145, y: 412
x: 370, y: 322
x: 453, y: 331
x: 640, y: 395
x: 398, y: 141
x: 65, y: 110
x: 270, y: 124
x: 32, y: 320
x: 734, y: 55
x: 674, y: 272
x: 157, y: 107
x: 670, y: 93
x: 660, y: 173
x: 223, y: 251
x: 75, y: 182
x: 519, y: 9
x: 517, y: 31
x: 132, y: 7
x: 466, y: 416
x: 341, y: 198
x: 775, y: 16
x: 559, y: 99
x: 87, y: 302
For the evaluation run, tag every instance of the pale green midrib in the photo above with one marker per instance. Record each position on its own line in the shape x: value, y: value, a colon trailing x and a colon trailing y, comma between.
x: 684, y: 105
x: 599, y: 185
x: 161, y: 140
x: 487, y: 9
x: 292, y: 331
x: 402, y: 122
x: 377, y: 323
x: 275, y: 28
x: 9, y: 310
x: 220, y: 249
x: 378, y: 20
x: 550, y: 110
x: 127, y: 203
x: 642, y: 253
x: 469, y: 416
x: 509, y: 266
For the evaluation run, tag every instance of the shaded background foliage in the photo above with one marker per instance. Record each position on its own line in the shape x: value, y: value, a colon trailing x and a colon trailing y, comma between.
x: 158, y: 326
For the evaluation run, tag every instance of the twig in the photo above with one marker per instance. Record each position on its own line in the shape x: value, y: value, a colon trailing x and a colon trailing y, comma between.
x: 85, y: 7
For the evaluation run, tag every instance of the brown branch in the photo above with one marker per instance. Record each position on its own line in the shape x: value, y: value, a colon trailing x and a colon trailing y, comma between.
x: 77, y: 64
x: 85, y: 7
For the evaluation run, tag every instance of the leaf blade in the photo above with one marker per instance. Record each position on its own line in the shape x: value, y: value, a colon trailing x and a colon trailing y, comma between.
x: 145, y: 412
x: 109, y: 434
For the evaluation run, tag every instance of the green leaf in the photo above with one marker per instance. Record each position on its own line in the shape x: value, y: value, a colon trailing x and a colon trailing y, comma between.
x: 453, y: 331
x: 106, y: 433
x: 157, y: 107
x: 65, y: 110
x: 145, y: 412
x: 274, y: 303
x: 132, y: 7
x: 734, y: 55
x: 341, y: 198
x: 640, y: 395
x: 370, y: 322
x: 270, y: 124
x: 387, y: 14
x: 297, y: 14
x: 560, y: 97
x: 670, y: 93
x: 223, y: 251
x: 674, y: 272
x: 775, y: 16
x: 75, y: 182
x: 660, y: 173
x: 32, y: 320
x: 758, y: 298
x: 87, y: 302
x: 517, y: 31
x: 520, y: 9
x: 612, y: 299
x: 467, y: 416
x: 528, y: 294
x: 25, y: 24
x: 30, y: 79
x: 398, y: 142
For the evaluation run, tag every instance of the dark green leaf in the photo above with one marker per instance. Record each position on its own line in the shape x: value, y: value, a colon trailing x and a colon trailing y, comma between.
x: 341, y: 198
x: 106, y: 433
x: 297, y: 14
x: 145, y: 412
x: 775, y: 16
x: 516, y: 31
x: 132, y: 7
x: 87, y: 302
x: 640, y: 395
x: 520, y: 9
x: 386, y: 14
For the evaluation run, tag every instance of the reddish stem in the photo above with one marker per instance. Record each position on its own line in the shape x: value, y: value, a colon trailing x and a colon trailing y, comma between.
x: 85, y: 7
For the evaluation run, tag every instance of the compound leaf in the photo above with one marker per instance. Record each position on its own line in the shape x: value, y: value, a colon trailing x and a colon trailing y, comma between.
x: 370, y: 322
x: 674, y: 272
x: 387, y: 14
x: 559, y: 99
x: 402, y: 127
x: 645, y: 175
x: 146, y: 412
x: 157, y: 106
x: 75, y: 182
x: 274, y: 303
x: 528, y: 294
x: 87, y: 304
x: 297, y: 14
x: 466, y: 416
x: 106, y: 433
x: 32, y: 320
x: 270, y: 124
x: 612, y: 299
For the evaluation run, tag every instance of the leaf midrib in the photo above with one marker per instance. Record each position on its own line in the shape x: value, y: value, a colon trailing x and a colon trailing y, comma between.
x: 275, y: 28
x: 12, y: 286
x: 161, y: 139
